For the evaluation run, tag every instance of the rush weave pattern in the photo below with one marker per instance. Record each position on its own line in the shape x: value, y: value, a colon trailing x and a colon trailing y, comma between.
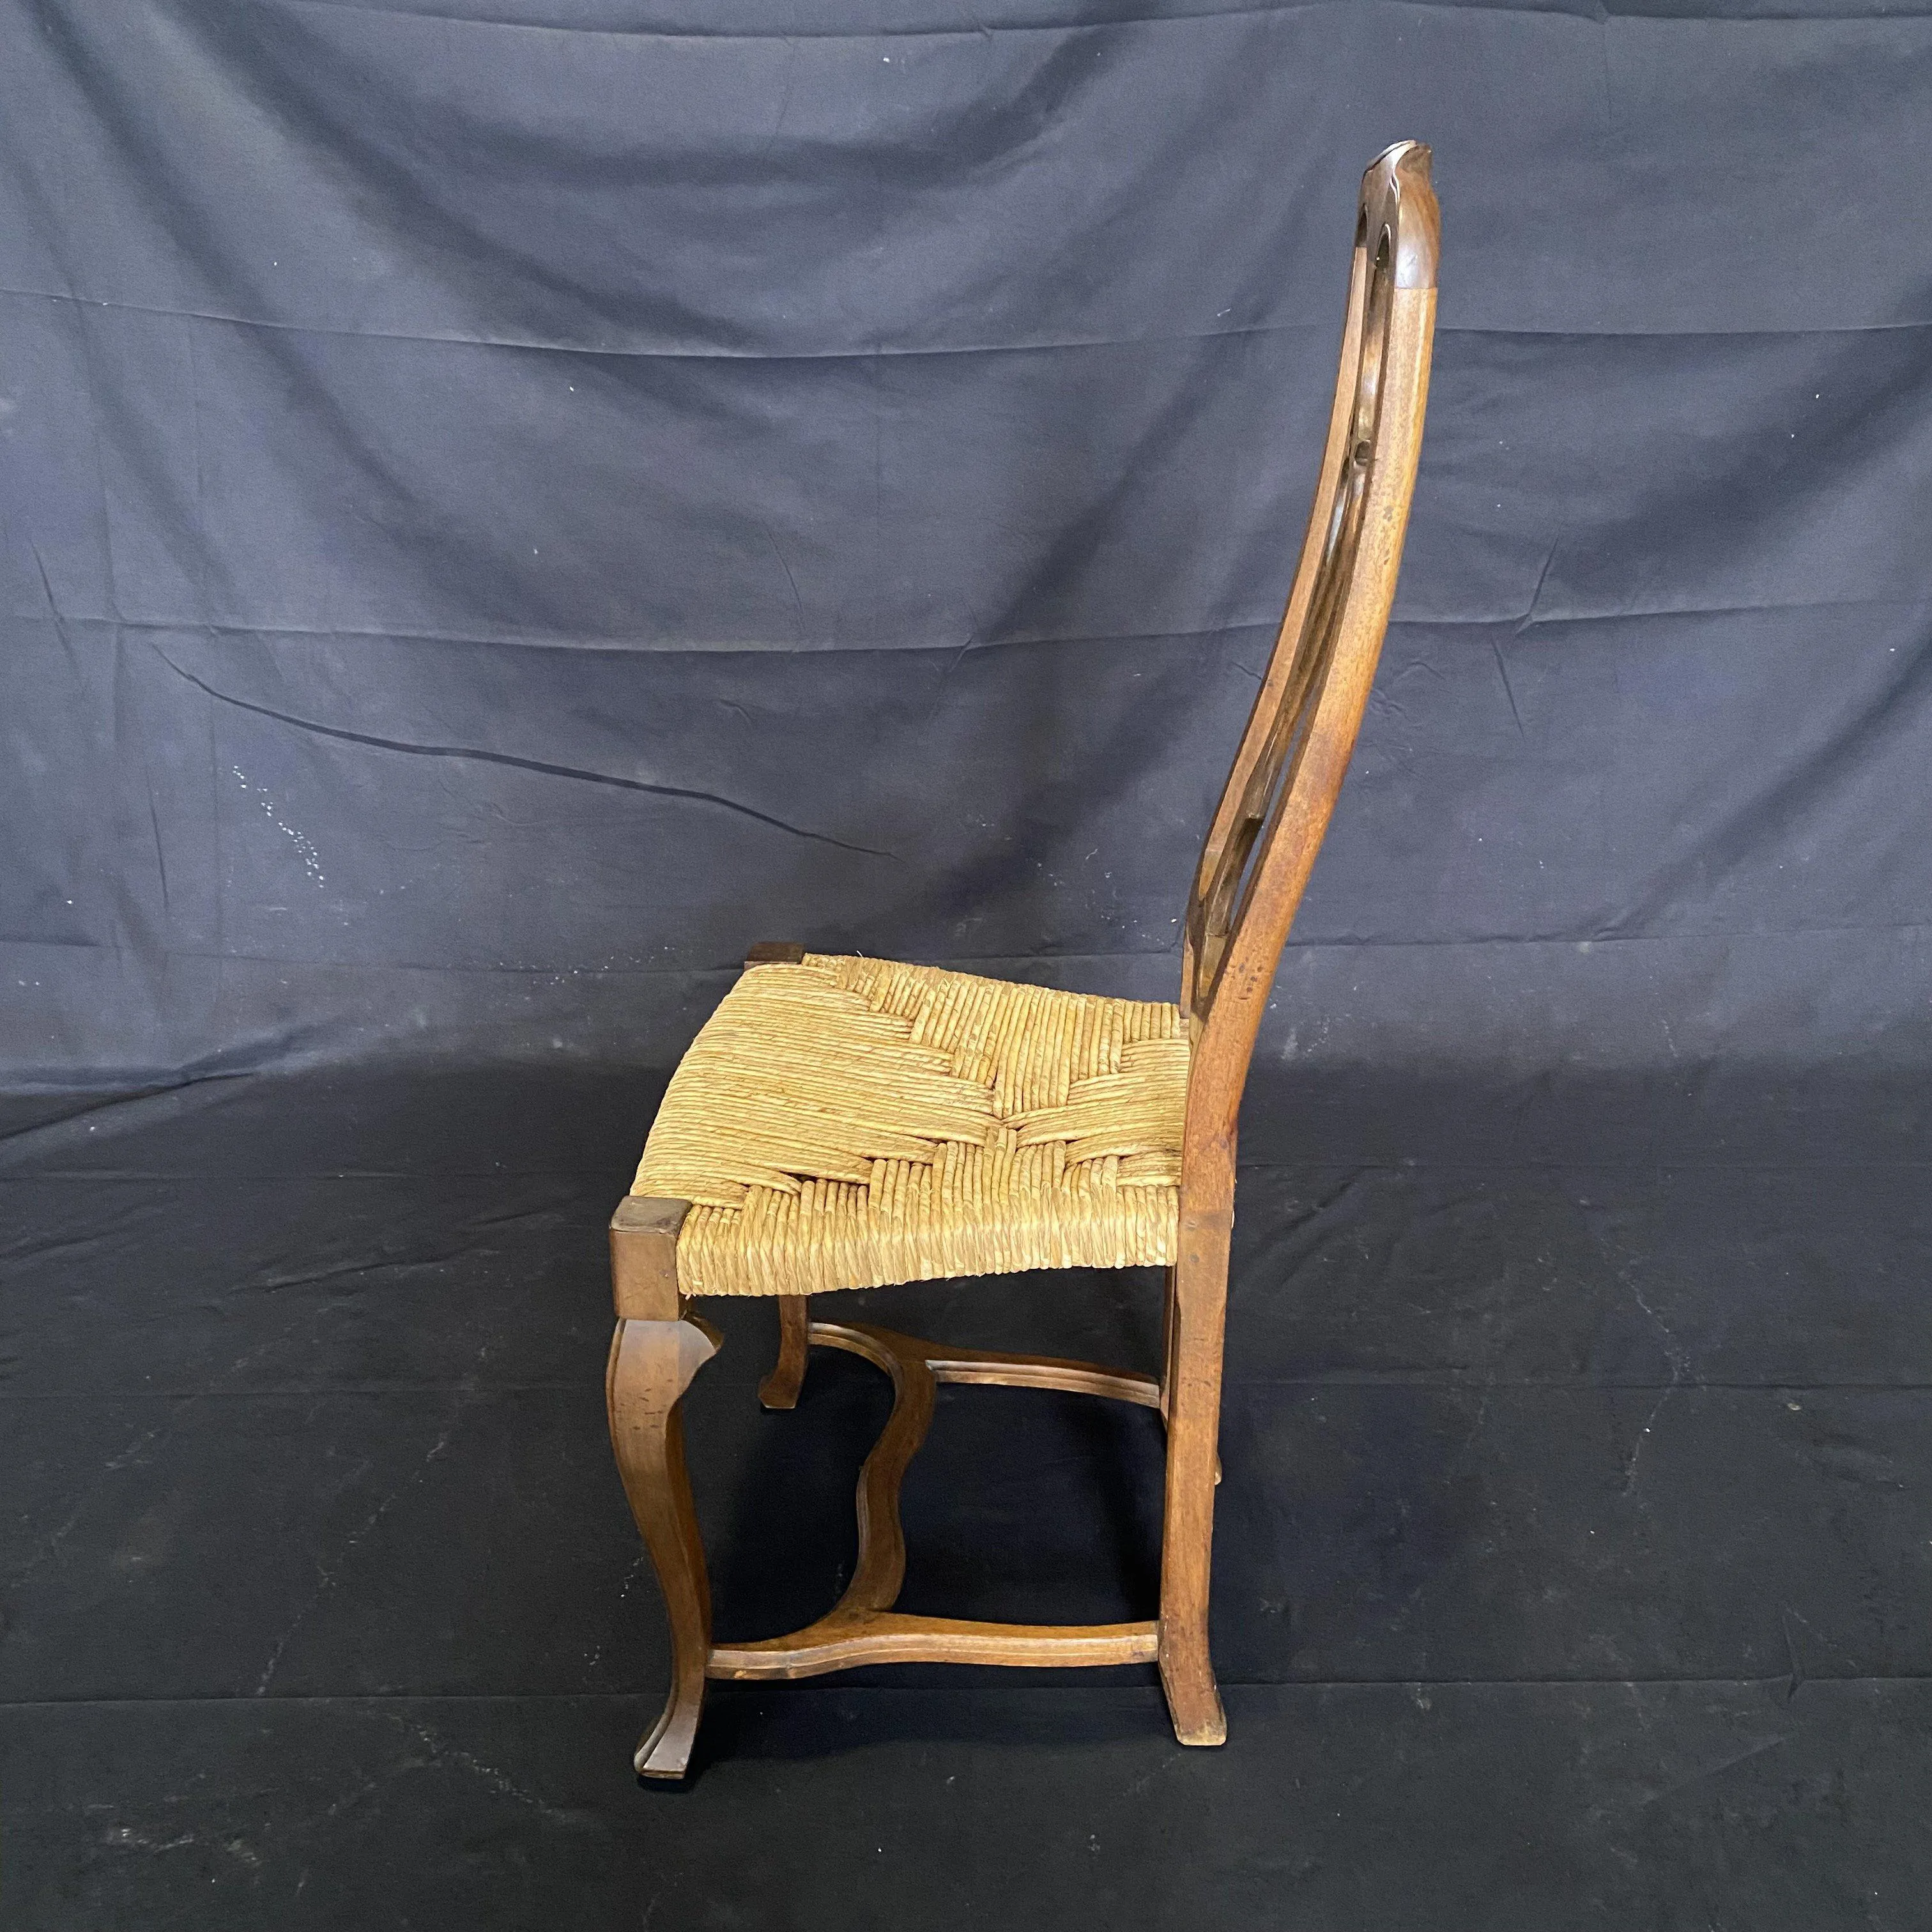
x: 847, y: 1122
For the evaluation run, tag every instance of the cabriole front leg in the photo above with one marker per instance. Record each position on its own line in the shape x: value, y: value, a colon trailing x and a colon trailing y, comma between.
x: 652, y: 1365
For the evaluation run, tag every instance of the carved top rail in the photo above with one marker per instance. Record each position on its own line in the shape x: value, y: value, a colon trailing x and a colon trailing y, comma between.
x: 1262, y: 843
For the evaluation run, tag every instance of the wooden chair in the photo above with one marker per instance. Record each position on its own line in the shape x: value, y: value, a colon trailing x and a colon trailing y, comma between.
x: 845, y: 1123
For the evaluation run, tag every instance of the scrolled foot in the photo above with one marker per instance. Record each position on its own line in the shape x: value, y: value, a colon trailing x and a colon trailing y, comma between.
x: 651, y: 1364
x: 665, y: 1752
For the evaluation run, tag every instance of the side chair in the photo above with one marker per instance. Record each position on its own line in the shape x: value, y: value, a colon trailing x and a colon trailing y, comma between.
x: 842, y: 1122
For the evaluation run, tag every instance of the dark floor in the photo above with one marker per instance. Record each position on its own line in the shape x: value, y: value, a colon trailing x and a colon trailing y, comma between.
x: 1574, y: 1561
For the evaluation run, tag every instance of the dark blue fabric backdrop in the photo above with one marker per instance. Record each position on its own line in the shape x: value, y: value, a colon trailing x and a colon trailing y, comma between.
x: 505, y: 510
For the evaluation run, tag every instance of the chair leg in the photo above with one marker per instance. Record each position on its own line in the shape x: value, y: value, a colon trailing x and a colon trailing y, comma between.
x: 779, y: 1390
x: 1170, y: 1328
x: 1197, y: 1307
x: 652, y: 1365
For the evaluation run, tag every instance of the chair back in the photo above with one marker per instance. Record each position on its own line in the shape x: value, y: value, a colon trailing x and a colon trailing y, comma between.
x: 1294, y: 753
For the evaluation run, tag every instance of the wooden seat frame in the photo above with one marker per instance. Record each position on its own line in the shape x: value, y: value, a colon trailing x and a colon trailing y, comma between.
x: 1259, y: 851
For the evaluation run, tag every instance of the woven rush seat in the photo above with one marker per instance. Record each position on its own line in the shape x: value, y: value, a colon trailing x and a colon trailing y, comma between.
x: 846, y: 1123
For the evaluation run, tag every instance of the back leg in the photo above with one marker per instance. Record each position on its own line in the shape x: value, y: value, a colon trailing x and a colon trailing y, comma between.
x: 779, y: 1390
x: 1197, y: 1304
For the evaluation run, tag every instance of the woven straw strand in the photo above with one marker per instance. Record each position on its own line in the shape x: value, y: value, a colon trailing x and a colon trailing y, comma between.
x: 847, y: 1122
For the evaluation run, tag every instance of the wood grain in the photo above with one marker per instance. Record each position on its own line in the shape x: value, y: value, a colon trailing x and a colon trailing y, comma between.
x: 881, y: 1568
x: 862, y: 1628
x: 651, y: 1366
x: 1266, y: 830
x: 844, y: 1638
x: 779, y: 1390
x: 644, y: 1257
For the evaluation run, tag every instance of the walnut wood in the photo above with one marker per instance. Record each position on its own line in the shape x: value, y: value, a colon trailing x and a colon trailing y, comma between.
x: 1260, y: 849
x: 775, y: 953
x: 1266, y: 831
x: 1293, y: 754
x: 1169, y: 1335
x: 1338, y: 605
x: 881, y: 1568
x: 779, y: 1390
x: 844, y: 1638
x: 862, y: 1627
x: 985, y: 1368
x: 644, y: 1257
x: 651, y: 1366
x: 1169, y: 1319
x: 1187, y: 1536
x: 886, y: 1348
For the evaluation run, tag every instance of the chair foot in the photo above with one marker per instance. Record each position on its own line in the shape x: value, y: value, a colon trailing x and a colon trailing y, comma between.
x: 1193, y: 1698
x: 664, y: 1753
x: 652, y: 1365
x: 779, y: 1390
